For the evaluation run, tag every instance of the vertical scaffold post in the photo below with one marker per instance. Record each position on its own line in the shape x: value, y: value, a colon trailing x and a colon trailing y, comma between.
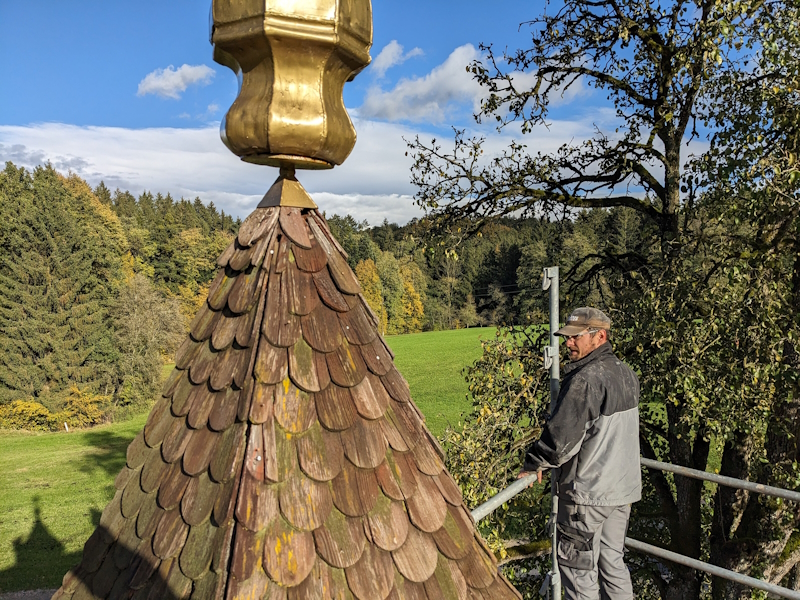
x: 551, y: 359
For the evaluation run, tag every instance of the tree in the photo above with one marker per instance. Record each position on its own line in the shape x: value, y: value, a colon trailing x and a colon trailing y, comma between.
x: 468, y: 315
x: 413, y: 308
x: 173, y: 243
x: 60, y: 267
x: 495, y: 306
x: 367, y: 274
x: 148, y: 327
x: 392, y: 287
x: 507, y: 389
x: 103, y: 193
x: 74, y: 266
x: 354, y: 238
x: 683, y: 298
x: 495, y: 281
x: 449, y: 271
x: 385, y: 235
x: 196, y: 264
x: 141, y: 248
x: 652, y: 61
x: 752, y: 178
x: 124, y: 204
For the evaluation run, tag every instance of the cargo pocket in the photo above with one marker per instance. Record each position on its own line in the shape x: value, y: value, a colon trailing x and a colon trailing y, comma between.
x: 575, y: 547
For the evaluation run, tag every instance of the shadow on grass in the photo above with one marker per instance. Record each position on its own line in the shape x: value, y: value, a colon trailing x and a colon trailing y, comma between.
x: 40, y: 558
x: 107, y: 568
x: 109, y: 452
x: 38, y: 555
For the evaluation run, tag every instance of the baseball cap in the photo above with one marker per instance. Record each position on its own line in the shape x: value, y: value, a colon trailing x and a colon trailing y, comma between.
x: 585, y: 318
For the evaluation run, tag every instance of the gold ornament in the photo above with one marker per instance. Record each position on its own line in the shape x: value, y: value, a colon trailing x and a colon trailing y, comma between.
x: 292, y: 58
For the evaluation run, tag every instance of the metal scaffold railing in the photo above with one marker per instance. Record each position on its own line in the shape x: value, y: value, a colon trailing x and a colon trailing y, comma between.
x: 518, y: 486
x: 553, y: 581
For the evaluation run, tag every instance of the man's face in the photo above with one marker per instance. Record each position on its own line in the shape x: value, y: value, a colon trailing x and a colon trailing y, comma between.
x: 583, y: 344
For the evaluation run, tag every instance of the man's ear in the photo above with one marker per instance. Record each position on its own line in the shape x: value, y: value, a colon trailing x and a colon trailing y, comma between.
x: 602, y: 335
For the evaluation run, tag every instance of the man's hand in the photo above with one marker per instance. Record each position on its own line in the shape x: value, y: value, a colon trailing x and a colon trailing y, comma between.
x: 523, y: 474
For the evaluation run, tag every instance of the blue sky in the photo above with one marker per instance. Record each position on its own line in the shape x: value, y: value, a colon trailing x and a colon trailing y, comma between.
x: 127, y: 92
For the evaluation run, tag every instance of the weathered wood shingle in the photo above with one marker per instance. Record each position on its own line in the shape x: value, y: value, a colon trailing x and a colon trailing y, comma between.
x: 286, y: 458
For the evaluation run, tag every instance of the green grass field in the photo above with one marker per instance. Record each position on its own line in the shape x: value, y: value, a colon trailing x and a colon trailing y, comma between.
x: 53, y: 486
x: 432, y: 364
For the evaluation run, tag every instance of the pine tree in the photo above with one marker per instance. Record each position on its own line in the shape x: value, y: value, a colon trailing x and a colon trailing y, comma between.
x: 145, y: 210
x: 103, y: 193
x: 60, y: 266
x: 124, y: 204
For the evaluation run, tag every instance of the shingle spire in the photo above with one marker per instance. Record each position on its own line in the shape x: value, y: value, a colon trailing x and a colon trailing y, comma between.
x: 286, y: 458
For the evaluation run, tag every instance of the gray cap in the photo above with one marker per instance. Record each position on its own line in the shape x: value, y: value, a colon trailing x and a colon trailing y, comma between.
x: 585, y: 318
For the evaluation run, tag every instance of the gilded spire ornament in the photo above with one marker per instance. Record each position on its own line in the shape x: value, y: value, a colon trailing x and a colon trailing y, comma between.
x: 285, y: 458
x: 292, y: 58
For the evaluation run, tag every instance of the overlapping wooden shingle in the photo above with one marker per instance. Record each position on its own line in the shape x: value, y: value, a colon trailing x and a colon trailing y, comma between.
x: 286, y: 458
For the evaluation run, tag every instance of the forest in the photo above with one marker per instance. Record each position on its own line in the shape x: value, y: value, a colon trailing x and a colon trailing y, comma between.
x: 97, y: 287
x: 96, y: 290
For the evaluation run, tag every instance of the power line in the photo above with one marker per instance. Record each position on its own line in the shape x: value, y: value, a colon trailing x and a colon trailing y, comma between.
x: 509, y: 293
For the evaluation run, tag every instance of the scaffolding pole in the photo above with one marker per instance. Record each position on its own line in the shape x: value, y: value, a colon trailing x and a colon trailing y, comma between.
x: 551, y: 359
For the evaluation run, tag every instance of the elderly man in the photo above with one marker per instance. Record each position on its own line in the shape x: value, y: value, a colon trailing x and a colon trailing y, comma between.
x: 592, y: 439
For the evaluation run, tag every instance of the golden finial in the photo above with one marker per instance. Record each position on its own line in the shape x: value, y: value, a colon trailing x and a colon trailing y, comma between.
x: 292, y: 58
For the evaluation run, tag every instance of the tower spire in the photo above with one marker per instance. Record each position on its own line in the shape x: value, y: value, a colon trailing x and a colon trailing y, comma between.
x: 286, y: 458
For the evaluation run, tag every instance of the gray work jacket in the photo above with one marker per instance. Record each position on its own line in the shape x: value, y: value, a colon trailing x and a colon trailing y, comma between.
x: 593, y: 434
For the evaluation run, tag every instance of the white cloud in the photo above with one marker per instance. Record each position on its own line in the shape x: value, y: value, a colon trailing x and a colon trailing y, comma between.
x: 372, y: 184
x: 391, y: 56
x: 430, y: 98
x: 439, y: 96
x: 172, y: 82
x: 370, y: 207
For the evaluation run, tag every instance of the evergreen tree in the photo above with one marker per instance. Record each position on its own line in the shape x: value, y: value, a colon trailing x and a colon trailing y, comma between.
x: 124, y: 204
x: 354, y: 238
x: 146, y: 211
x: 386, y: 235
x: 60, y: 266
x: 103, y: 194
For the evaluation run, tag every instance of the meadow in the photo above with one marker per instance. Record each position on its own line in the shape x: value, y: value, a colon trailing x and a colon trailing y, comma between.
x: 53, y: 486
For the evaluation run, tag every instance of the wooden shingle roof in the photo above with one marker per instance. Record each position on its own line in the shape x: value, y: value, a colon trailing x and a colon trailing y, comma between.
x: 286, y: 458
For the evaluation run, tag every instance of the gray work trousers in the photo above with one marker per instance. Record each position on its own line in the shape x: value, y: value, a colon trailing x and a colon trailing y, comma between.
x: 590, y: 545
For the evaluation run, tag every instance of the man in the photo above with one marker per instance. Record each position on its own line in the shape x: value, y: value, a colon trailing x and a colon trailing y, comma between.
x: 592, y: 438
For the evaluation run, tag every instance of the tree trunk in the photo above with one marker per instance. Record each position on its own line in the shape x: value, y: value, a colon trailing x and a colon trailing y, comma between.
x: 686, y: 525
x: 729, y: 506
x: 670, y: 226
